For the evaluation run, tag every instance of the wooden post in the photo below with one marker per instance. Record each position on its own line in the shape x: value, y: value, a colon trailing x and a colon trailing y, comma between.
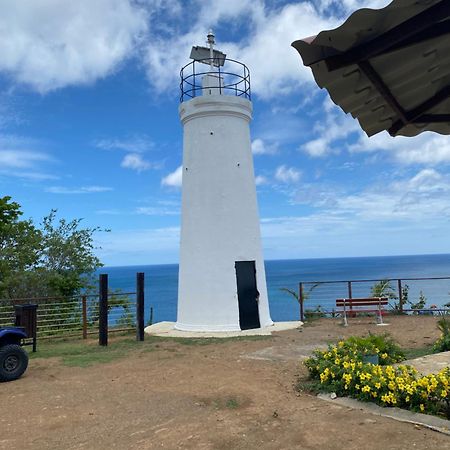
x: 84, y: 308
x: 103, y: 310
x: 300, y: 301
x: 140, y: 306
x: 400, y: 296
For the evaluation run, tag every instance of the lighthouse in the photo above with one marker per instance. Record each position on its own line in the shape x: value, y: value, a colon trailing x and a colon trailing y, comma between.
x: 222, y: 281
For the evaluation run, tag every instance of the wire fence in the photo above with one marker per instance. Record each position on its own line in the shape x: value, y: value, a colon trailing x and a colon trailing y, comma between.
x: 406, y: 295
x: 74, y: 316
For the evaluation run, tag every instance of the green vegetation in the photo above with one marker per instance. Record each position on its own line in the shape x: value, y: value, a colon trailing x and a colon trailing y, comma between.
x: 420, y: 304
x: 76, y: 352
x: 412, y: 353
x: 232, y: 403
x: 341, y: 369
x: 443, y: 343
x: 55, y: 259
x: 383, y: 289
x: 309, y: 314
x: 83, y: 354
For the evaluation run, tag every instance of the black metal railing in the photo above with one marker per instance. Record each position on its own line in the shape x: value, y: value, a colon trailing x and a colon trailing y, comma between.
x: 82, y: 315
x: 233, y: 78
x: 426, y: 295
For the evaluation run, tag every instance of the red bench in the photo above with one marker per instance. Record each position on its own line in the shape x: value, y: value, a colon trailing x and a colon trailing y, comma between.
x: 363, y: 305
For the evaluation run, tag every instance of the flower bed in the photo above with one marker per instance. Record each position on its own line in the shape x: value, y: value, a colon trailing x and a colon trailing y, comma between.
x: 341, y: 369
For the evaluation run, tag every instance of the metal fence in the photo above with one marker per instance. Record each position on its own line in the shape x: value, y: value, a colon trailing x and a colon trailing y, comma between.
x: 98, y: 313
x: 406, y: 295
x: 75, y: 316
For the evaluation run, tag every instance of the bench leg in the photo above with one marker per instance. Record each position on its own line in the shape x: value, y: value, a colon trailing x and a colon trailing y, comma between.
x: 345, y: 317
x: 380, y: 316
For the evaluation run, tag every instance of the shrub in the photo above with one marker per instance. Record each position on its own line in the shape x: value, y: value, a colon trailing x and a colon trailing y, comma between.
x: 340, y: 369
x: 443, y: 343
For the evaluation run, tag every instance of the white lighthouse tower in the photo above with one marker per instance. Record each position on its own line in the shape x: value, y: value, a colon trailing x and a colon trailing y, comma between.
x: 222, y: 281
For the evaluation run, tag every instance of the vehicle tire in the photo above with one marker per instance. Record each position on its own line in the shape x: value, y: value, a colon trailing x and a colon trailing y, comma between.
x: 13, y: 362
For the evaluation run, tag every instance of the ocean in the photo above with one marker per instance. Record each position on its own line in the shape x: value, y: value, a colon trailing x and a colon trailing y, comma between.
x: 161, y: 282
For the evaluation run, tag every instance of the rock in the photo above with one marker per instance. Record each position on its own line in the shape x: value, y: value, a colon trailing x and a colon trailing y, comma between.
x: 333, y: 395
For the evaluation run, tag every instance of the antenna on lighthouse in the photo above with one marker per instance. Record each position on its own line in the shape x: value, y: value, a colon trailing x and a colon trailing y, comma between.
x: 211, y: 41
x: 208, y: 55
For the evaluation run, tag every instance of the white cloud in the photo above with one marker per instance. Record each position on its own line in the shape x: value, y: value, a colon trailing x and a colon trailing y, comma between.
x: 21, y: 159
x: 286, y: 174
x: 157, y: 211
x: 259, y: 147
x: 424, y: 196
x: 80, y: 190
x: 427, y: 148
x: 407, y: 215
x: 173, y: 179
x: 135, y: 161
x: 333, y: 126
x: 136, y: 144
x: 275, y: 67
x: 260, y: 180
x: 49, y: 44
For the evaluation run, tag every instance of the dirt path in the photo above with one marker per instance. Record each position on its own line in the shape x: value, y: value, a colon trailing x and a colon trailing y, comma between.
x: 231, y: 395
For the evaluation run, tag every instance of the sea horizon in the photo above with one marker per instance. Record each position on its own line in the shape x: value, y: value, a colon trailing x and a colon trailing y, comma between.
x: 161, y: 281
x: 292, y: 259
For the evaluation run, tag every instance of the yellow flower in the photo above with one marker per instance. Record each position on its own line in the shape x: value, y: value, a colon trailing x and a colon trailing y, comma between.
x: 422, y: 407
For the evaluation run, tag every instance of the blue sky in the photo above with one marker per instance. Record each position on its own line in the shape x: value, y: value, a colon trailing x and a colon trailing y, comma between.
x: 89, y: 94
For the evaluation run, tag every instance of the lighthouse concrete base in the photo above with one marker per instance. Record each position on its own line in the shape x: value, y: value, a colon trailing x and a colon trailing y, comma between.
x: 167, y: 329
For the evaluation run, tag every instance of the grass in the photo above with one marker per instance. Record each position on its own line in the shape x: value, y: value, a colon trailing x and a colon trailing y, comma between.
x: 84, y: 354
x: 411, y: 353
x: 79, y: 353
x: 225, y: 403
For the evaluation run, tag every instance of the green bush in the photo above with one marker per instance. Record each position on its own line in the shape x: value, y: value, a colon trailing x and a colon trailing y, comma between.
x: 443, y: 343
x: 378, y: 344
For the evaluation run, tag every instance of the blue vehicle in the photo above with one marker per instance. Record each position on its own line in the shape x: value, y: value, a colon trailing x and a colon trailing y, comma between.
x: 13, y: 358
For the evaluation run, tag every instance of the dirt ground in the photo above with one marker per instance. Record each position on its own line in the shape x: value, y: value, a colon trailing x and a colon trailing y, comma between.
x: 228, y: 395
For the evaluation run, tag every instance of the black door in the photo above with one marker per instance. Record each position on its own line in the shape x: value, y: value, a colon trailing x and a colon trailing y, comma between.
x: 248, y: 294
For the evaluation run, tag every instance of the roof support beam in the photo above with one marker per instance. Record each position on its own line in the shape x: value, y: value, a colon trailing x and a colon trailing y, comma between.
x: 432, y: 118
x: 395, y: 36
x: 415, y: 115
x: 384, y: 91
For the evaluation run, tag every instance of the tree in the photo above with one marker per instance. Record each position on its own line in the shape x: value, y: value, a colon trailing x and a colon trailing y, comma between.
x: 20, y: 244
x: 56, y: 260
x: 305, y: 296
x: 383, y: 289
x: 68, y: 254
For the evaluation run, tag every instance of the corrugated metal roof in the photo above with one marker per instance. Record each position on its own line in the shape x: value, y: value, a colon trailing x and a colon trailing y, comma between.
x: 389, y: 68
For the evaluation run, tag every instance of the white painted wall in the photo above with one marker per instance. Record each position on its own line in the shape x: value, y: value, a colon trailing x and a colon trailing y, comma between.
x: 220, y: 220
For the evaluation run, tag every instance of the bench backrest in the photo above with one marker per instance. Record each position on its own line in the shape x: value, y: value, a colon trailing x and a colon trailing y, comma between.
x: 371, y: 301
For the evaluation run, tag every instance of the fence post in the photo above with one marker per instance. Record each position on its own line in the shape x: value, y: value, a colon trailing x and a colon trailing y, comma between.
x: 349, y: 285
x: 150, y: 322
x: 400, y: 295
x: 103, y: 310
x: 84, y: 308
x: 300, y: 301
x: 140, y: 306
x: 349, y: 289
